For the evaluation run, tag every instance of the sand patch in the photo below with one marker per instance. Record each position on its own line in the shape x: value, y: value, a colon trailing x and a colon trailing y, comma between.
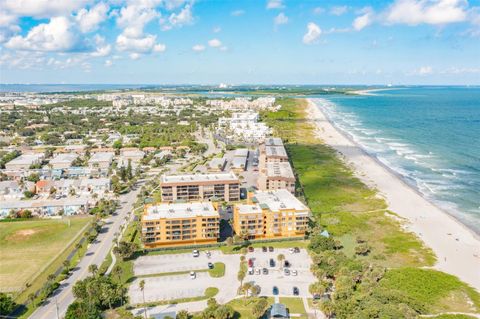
x: 21, y: 235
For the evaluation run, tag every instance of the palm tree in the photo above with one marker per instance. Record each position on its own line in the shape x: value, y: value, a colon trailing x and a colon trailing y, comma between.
x: 66, y: 264
x: 328, y: 308
x: 141, y: 285
x: 93, y: 269
x: 31, y: 298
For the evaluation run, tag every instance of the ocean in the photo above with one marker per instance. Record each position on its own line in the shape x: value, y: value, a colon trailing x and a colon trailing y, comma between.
x: 429, y: 136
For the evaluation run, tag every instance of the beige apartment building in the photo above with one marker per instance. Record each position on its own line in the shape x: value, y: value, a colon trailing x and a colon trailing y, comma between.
x: 276, y: 175
x: 174, y: 224
x: 271, y: 214
x: 195, y: 187
x: 272, y: 150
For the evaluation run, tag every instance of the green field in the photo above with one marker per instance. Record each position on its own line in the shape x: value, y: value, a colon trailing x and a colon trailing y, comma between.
x: 29, y: 248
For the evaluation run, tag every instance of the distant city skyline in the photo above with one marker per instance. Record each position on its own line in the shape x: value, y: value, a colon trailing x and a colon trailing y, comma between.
x: 396, y: 42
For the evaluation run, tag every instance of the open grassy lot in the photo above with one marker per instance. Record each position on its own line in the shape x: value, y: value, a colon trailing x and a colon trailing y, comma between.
x: 31, y: 247
x: 295, y: 306
x: 245, y: 309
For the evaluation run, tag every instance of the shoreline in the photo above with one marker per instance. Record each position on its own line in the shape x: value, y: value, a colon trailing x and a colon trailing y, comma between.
x: 456, y: 246
x: 370, y: 92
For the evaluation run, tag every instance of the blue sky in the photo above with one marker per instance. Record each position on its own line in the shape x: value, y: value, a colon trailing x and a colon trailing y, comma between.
x: 240, y: 42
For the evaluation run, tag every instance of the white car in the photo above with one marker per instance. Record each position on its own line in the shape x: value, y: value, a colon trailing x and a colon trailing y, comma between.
x: 293, y: 272
x: 196, y: 253
x: 250, y: 270
x: 193, y: 275
x: 257, y: 271
x: 291, y: 250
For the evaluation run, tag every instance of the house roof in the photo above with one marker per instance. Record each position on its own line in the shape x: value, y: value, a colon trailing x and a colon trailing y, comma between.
x: 278, y: 310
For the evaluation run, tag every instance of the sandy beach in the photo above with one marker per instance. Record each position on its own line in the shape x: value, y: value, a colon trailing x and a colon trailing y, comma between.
x: 456, y: 247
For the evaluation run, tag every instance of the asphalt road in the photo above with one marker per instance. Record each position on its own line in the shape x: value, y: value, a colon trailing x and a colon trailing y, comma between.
x: 57, y: 304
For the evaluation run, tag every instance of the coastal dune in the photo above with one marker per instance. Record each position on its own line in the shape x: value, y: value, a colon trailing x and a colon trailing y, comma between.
x: 456, y: 247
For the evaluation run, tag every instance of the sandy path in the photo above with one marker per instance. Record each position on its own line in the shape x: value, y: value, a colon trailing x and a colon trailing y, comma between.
x: 456, y: 247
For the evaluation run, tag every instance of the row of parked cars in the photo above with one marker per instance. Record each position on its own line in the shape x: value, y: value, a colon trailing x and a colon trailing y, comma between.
x: 295, y: 291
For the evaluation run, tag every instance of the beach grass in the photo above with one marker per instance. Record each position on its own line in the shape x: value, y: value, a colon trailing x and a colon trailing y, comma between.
x: 340, y: 201
x: 31, y: 250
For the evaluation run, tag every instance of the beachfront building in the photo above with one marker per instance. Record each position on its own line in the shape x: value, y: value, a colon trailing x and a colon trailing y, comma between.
x: 276, y: 175
x: 44, y: 208
x: 244, y: 127
x: 272, y: 150
x: 25, y: 161
x: 271, y: 214
x: 194, y: 187
x: 62, y: 161
x: 174, y: 224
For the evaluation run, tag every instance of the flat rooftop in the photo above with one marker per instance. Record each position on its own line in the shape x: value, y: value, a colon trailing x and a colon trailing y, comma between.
x: 279, y: 169
x: 249, y: 208
x: 273, y: 141
x: 199, y: 178
x: 277, y: 200
x: 275, y: 151
x: 63, y: 158
x: 26, y: 159
x: 102, y: 157
x: 241, y: 152
x: 179, y: 210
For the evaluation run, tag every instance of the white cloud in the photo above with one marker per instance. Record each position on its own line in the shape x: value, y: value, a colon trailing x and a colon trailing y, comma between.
x: 184, y: 17
x: 103, y: 49
x: 338, y: 10
x: 216, y: 30
x: 88, y: 20
x: 42, y: 8
x: 318, y: 10
x: 134, y: 56
x: 313, y: 32
x: 414, y: 12
x: 198, y: 48
x: 280, y: 19
x: 159, y: 47
x: 275, y: 4
x: 424, y: 70
x: 237, y: 13
x: 108, y: 63
x: 56, y: 35
x: 215, y: 43
x: 364, y: 20
x: 144, y: 44
x: 173, y: 4
x: 134, y: 17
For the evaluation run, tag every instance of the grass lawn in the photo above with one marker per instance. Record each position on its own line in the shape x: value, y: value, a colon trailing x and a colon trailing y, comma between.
x: 245, y: 309
x: 294, y: 305
x: 439, y: 292
x: 217, y: 271
x: 36, y: 247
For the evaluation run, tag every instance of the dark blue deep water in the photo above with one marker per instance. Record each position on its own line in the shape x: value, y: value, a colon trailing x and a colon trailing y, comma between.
x: 430, y: 136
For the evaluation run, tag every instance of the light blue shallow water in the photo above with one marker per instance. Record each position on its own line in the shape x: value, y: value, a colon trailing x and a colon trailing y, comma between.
x: 428, y: 135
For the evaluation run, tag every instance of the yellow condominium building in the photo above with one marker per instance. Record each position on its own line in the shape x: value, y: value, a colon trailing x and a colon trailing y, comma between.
x: 271, y: 214
x: 176, y: 224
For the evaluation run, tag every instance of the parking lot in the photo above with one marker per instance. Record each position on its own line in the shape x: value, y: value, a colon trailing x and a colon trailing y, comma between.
x: 276, y: 277
x: 178, y: 286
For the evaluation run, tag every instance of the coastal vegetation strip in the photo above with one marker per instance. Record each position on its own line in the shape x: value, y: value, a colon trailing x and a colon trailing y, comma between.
x: 368, y: 253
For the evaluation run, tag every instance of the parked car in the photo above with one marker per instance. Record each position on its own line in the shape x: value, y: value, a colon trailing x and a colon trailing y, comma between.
x: 286, y: 272
x: 275, y: 290
x: 251, y: 249
x: 210, y: 266
x: 250, y: 262
x: 264, y: 249
x: 296, y: 249
x: 265, y: 271
x: 272, y: 262
x: 287, y: 264
x: 293, y: 272
x: 193, y: 275
x: 250, y: 270
x: 208, y: 253
x: 257, y: 271
x: 196, y: 253
x: 291, y: 250
x: 296, y: 292
x: 270, y: 249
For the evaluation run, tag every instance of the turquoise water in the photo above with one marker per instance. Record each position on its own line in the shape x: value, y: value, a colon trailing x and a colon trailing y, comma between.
x: 430, y: 136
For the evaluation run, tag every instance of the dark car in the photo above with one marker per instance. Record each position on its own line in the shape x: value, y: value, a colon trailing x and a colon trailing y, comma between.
x: 265, y: 271
x: 272, y: 262
x: 287, y: 263
x: 250, y: 262
x: 251, y: 249
x: 270, y: 249
x: 264, y: 249
x: 275, y: 290
x: 210, y: 266
x: 295, y: 291
x: 296, y: 249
